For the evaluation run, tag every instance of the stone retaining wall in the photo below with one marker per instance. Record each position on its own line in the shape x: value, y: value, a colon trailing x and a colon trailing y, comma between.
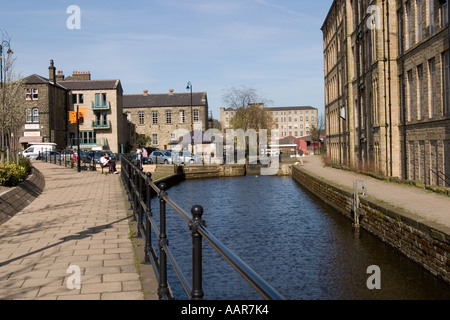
x: 14, y: 200
x: 425, y: 243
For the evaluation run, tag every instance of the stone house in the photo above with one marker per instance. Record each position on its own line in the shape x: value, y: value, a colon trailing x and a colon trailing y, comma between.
x: 164, y: 118
x: 46, y: 109
x: 48, y: 102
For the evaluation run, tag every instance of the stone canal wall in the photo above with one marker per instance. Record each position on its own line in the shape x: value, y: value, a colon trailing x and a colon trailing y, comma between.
x: 421, y: 241
x: 15, y: 199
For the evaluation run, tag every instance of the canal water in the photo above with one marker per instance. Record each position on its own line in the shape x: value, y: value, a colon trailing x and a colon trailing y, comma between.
x: 302, y: 247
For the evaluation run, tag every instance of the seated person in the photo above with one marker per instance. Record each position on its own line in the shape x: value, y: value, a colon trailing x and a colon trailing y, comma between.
x: 106, y: 161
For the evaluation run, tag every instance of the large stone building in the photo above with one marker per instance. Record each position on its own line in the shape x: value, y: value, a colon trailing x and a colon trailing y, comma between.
x: 165, y: 118
x: 288, y: 121
x: 49, y: 100
x: 387, y: 87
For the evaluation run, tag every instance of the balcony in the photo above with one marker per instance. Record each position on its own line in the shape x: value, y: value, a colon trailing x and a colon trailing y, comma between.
x: 101, y: 105
x: 101, y: 125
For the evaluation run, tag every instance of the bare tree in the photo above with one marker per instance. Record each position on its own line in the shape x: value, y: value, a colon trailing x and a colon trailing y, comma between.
x: 249, y: 108
x: 12, y: 110
x: 242, y: 97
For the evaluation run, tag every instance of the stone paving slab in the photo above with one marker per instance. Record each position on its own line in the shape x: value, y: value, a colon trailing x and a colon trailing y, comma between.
x: 79, y: 221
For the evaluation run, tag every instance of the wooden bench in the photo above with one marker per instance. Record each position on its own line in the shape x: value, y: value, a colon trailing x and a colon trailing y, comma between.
x: 108, y: 168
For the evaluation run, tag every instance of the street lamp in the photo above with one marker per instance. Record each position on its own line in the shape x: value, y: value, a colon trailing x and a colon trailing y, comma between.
x: 9, y: 52
x: 189, y: 87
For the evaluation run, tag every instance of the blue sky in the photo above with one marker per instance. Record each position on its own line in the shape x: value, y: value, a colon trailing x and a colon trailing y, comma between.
x: 157, y: 45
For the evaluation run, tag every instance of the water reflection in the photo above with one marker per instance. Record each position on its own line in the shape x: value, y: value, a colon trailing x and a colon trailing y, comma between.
x: 302, y: 247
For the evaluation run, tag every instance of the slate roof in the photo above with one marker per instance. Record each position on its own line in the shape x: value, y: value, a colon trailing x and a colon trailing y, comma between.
x: 36, y: 79
x: 164, y: 100
x: 75, y: 85
x: 90, y: 84
x: 291, y: 108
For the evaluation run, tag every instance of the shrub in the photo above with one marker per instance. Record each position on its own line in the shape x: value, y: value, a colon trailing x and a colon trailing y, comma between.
x: 11, y: 175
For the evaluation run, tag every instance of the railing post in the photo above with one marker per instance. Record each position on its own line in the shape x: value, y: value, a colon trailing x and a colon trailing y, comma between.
x: 163, y: 289
x: 197, y: 273
x: 148, y: 231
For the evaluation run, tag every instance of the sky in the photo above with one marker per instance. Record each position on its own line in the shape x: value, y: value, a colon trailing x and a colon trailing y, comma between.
x: 274, y: 46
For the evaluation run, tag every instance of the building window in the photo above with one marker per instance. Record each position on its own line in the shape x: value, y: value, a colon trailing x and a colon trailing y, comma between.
x: 88, y: 138
x: 400, y: 31
x: 411, y: 100
x: 155, y: 139
x: 445, y: 14
x: 33, y: 115
x: 196, y: 116
x: 419, y: 20
x: 141, y: 117
x: 78, y: 98
x: 433, y: 86
x: 100, y: 99
x: 421, y: 106
x: 182, y: 116
x: 155, y: 117
x: 169, y: 117
x: 32, y: 94
x: 431, y: 15
x: 409, y: 22
x: 447, y: 82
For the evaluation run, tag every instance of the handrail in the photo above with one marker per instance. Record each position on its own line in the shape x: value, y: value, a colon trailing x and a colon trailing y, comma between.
x: 141, y: 189
x: 439, y: 177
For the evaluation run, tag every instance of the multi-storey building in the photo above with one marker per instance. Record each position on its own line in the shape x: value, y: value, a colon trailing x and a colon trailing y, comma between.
x: 46, y: 110
x: 166, y: 118
x: 50, y: 100
x: 387, y: 87
x: 293, y: 121
x: 104, y: 124
x: 288, y: 121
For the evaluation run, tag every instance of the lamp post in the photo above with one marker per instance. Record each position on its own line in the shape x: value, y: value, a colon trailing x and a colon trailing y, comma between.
x: 9, y: 52
x: 189, y: 87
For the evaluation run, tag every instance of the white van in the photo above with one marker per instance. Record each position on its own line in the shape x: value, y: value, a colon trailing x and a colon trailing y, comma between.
x: 32, y: 152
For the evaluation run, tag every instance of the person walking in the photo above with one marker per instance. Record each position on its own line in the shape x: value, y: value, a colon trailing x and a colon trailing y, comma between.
x: 301, y: 156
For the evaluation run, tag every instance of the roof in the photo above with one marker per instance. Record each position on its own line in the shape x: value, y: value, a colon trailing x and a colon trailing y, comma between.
x: 164, y: 100
x: 90, y: 84
x: 36, y: 79
x: 291, y: 108
x: 75, y: 84
x: 280, y: 108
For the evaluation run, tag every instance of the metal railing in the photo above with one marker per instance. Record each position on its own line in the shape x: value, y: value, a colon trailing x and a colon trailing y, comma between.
x: 141, y: 189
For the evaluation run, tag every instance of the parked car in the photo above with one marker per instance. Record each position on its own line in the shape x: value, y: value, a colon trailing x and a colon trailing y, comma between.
x: 185, y: 157
x: 151, y: 149
x: 50, y: 156
x: 161, y: 156
x: 34, y: 150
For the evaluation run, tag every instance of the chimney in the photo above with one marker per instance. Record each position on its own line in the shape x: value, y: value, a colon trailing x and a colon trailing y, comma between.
x: 145, y: 93
x: 171, y: 92
x: 60, y: 76
x: 81, y: 76
x: 51, y: 72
